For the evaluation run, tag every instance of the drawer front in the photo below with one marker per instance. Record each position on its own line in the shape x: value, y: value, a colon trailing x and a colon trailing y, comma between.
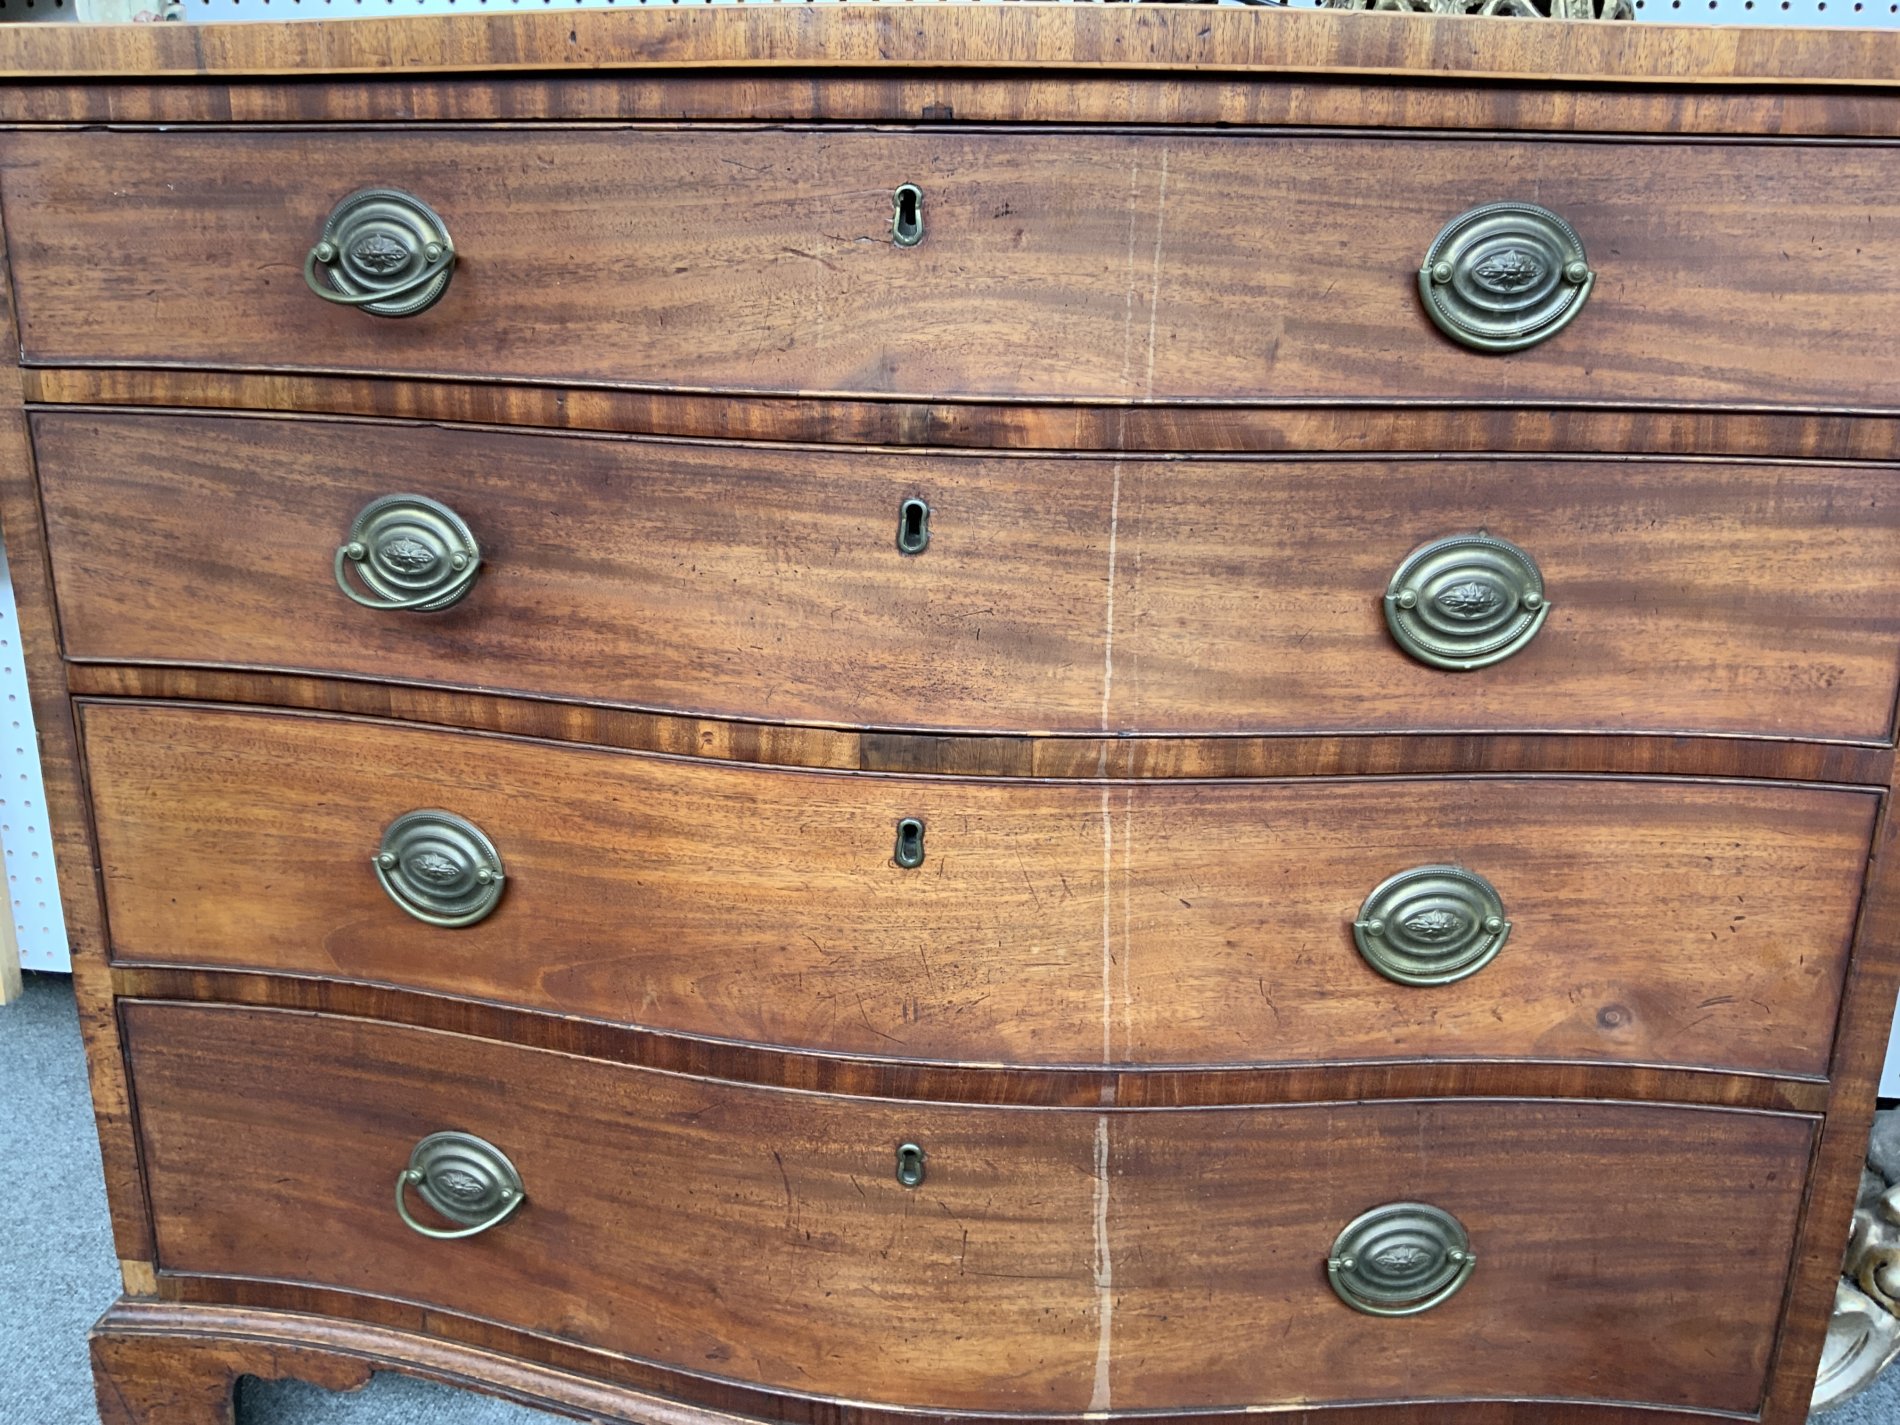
x: 1049, y: 1261
x: 1198, y: 923
x: 1053, y: 593
x: 1052, y: 265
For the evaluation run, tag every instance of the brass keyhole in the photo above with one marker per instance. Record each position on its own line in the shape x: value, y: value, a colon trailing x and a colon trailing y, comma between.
x: 907, y: 215
x: 910, y: 843
x: 910, y: 1165
x: 913, y: 527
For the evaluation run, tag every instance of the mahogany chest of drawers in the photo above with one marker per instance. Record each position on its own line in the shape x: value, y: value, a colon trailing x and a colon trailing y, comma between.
x: 967, y: 713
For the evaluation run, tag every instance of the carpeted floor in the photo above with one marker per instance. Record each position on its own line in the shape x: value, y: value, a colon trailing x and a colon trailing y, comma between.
x: 57, y: 1271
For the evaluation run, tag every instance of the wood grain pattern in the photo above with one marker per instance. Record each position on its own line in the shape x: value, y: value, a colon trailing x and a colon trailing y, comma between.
x: 1069, y: 595
x: 1079, y: 266
x: 1164, y: 295
x: 65, y: 805
x: 823, y: 1260
x: 1417, y: 753
x: 135, y: 1341
x: 1037, y: 37
x: 1840, y: 1158
x: 144, y: 1377
x: 1066, y: 1086
x: 941, y: 98
x: 1680, y: 596
x: 1348, y: 429
x: 762, y: 583
x: 1003, y: 755
x: 1162, y: 923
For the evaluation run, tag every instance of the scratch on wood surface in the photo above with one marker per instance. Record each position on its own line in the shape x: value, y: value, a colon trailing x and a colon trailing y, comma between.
x: 1104, y: 1272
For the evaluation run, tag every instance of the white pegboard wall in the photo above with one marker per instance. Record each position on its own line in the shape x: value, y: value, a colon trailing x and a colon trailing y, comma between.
x: 25, y: 11
x: 1823, y: 13
x: 1890, y: 1077
x: 32, y: 888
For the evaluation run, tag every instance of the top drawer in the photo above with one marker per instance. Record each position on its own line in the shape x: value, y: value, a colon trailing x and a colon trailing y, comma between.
x: 1052, y: 266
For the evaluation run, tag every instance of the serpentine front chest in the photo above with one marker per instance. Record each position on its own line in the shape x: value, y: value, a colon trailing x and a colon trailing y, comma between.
x: 968, y: 712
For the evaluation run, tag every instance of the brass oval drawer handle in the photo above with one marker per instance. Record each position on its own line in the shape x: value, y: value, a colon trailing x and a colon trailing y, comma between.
x: 465, y: 1179
x: 1505, y: 276
x: 1400, y: 1259
x: 408, y: 552
x: 1466, y: 601
x: 382, y: 251
x: 440, y: 868
x: 1431, y: 925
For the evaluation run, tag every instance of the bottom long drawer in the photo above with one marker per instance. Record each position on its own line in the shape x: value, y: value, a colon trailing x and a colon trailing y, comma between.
x: 1049, y: 1259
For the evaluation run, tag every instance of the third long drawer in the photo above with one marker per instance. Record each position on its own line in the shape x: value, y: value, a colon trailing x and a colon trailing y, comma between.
x: 1639, y: 921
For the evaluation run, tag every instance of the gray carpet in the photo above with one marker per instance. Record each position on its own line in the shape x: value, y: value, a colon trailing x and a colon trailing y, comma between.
x: 57, y: 1271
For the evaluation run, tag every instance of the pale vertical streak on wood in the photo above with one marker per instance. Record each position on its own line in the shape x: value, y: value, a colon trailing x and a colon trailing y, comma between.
x: 1128, y: 273
x: 1104, y: 1274
x: 1109, y: 954
x: 1108, y: 614
x: 1127, y: 918
x: 1154, y: 272
x: 1108, y: 933
x: 1108, y: 652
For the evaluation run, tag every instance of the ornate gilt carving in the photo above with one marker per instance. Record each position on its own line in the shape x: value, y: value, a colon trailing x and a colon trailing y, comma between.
x: 1527, y: 9
x: 1863, y: 1338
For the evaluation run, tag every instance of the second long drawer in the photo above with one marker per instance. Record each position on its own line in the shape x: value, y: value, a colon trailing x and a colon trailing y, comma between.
x: 1645, y: 921
x: 1047, y: 593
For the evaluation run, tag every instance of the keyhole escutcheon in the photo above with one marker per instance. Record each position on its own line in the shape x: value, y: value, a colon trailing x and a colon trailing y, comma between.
x: 913, y: 527
x: 907, y: 215
x: 910, y: 1165
x: 910, y: 843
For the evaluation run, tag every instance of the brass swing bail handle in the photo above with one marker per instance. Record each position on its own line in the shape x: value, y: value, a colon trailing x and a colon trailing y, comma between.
x: 1400, y: 1259
x: 1505, y: 276
x: 355, y: 554
x: 462, y: 1178
x: 439, y: 867
x: 437, y: 258
x: 381, y: 251
x: 407, y: 552
x: 410, y: 1177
